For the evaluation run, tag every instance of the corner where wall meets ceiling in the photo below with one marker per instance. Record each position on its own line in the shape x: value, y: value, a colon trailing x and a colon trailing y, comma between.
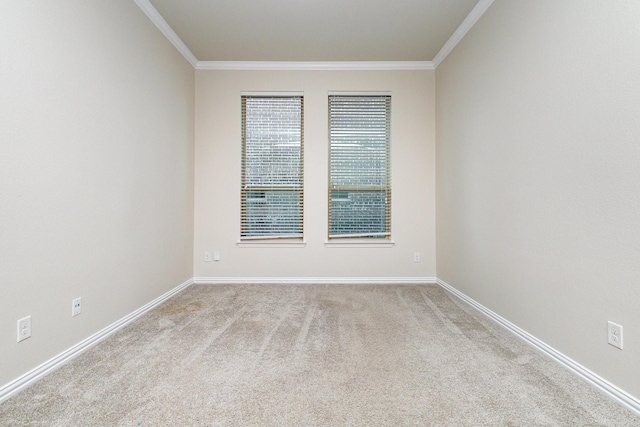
x: 315, y: 36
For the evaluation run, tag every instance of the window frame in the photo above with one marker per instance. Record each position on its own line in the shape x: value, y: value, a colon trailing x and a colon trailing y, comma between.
x: 375, y: 238
x: 275, y: 239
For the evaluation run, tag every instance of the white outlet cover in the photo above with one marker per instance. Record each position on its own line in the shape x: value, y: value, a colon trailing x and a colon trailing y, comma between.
x: 76, y: 306
x: 615, y: 334
x: 24, y: 328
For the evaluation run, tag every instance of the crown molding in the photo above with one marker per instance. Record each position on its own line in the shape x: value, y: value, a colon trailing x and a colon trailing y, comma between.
x: 461, y: 31
x: 165, y: 29
x: 315, y: 66
x: 455, y: 38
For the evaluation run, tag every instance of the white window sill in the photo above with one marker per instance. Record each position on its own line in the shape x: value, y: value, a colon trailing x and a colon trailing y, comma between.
x: 359, y: 244
x: 270, y: 244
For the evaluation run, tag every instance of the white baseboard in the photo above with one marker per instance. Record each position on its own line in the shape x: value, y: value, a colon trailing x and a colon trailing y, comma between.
x: 614, y: 392
x: 315, y: 280
x: 13, y: 387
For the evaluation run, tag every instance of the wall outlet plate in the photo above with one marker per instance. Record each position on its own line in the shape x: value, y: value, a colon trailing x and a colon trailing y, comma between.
x: 207, y: 256
x: 24, y: 328
x: 615, y: 334
x: 76, y: 307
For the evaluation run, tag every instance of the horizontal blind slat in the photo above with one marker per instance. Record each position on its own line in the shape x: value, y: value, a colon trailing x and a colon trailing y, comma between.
x: 359, y: 166
x: 272, y: 167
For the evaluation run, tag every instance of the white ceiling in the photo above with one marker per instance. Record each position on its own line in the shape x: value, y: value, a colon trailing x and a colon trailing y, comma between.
x: 314, y: 30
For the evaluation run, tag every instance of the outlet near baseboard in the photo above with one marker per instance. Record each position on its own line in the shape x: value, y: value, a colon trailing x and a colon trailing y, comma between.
x: 76, y: 307
x: 24, y: 328
x: 615, y: 334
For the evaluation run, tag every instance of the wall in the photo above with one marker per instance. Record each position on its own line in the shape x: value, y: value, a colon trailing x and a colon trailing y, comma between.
x: 96, y: 171
x: 217, y: 188
x: 538, y: 171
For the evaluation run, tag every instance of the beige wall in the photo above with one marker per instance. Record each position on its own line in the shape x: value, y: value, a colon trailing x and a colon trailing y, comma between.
x: 538, y: 172
x: 537, y: 161
x: 96, y: 171
x: 217, y: 189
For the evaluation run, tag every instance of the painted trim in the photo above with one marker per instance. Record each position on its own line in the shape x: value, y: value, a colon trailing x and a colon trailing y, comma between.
x: 612, y: 391
x: 461, y: 31
x: 270, y: 244
x: 359, y: 93
x: 268, y: 93
x: 315, y: 66
x: 24, y: 381
x: 358, y: 244
x: 315, y: 280
x: 455, y: 38
x: 165, y: 29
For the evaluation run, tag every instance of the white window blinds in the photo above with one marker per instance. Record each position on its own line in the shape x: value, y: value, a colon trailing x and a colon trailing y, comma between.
x: 272, y: 167
x: 359, y: 166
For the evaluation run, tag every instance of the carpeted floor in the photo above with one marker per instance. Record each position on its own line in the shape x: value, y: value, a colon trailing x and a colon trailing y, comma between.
x: 312, y: 355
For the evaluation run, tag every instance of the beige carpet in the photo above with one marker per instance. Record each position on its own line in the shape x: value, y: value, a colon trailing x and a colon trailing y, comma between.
x: 312, y: 355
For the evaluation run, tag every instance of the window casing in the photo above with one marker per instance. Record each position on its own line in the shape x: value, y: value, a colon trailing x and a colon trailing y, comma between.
x: 272, y: 197
x: 359, y: 167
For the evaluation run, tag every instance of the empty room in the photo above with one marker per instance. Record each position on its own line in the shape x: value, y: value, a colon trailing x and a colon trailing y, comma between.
x: 319, y: 213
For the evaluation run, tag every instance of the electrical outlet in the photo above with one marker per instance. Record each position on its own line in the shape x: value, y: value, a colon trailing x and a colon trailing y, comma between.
x: 615, y: 335
x: 76, y: 306
x: 416, y: 257
x: 216, y: 256
x: 207, y: 256
x: 24, y: 328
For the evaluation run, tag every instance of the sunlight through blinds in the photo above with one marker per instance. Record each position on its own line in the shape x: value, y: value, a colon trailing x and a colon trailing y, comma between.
x: 359, y: 166
x: 272, y: 167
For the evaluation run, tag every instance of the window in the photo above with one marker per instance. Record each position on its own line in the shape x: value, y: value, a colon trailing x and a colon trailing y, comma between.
x: 272, y: 167
x: 359, y: 166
